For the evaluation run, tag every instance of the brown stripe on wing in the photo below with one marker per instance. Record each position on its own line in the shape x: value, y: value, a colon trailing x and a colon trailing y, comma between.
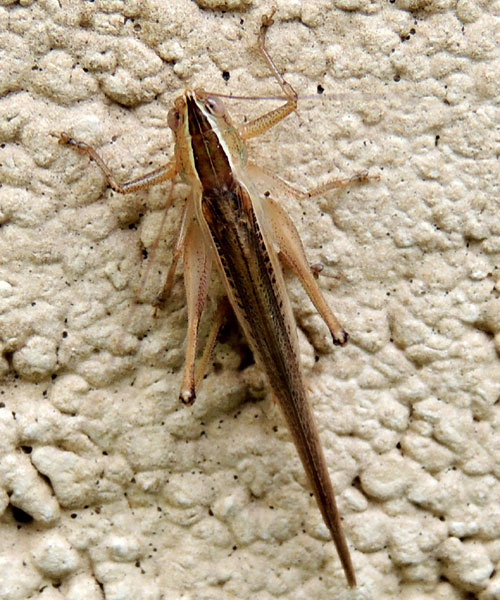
x: 259, y: 303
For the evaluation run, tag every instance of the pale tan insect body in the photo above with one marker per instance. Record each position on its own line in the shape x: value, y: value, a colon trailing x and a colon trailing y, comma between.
x: 226, y: 223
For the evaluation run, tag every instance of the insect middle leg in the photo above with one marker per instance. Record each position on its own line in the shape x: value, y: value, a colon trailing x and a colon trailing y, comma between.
x: 165, y: 173
x: 333, y: 183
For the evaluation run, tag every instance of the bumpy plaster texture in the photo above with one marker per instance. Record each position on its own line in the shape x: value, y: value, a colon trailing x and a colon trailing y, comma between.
x: 109, y: 488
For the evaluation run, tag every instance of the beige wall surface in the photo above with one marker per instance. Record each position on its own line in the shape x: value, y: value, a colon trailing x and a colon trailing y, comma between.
x: 109, y: 488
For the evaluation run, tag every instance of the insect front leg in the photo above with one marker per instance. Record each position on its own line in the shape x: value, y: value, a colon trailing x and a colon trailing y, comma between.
x: 197, y: 268
x: 165, y: 173
x: 268, y: 120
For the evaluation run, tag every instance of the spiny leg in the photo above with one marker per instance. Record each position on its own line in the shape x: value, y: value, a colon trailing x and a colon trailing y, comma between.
x: 197, y: 267
x: 187, y: 217
x: 291, y: 249
x: 320, y: 190
x: 268, y: 120
x: 160, y: 175
x: 164, y: 173
x: 271, y: 118
x: 290, y: 245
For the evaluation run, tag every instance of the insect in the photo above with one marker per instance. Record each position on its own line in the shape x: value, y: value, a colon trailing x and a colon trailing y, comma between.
x: 226, y: 223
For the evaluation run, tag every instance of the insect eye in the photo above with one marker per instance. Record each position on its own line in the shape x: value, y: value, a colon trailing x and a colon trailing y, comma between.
x: 215, y: 106
x: 173, y: 119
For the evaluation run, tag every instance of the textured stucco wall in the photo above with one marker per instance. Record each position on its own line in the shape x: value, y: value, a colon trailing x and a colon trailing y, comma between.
x: 134, y: 496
